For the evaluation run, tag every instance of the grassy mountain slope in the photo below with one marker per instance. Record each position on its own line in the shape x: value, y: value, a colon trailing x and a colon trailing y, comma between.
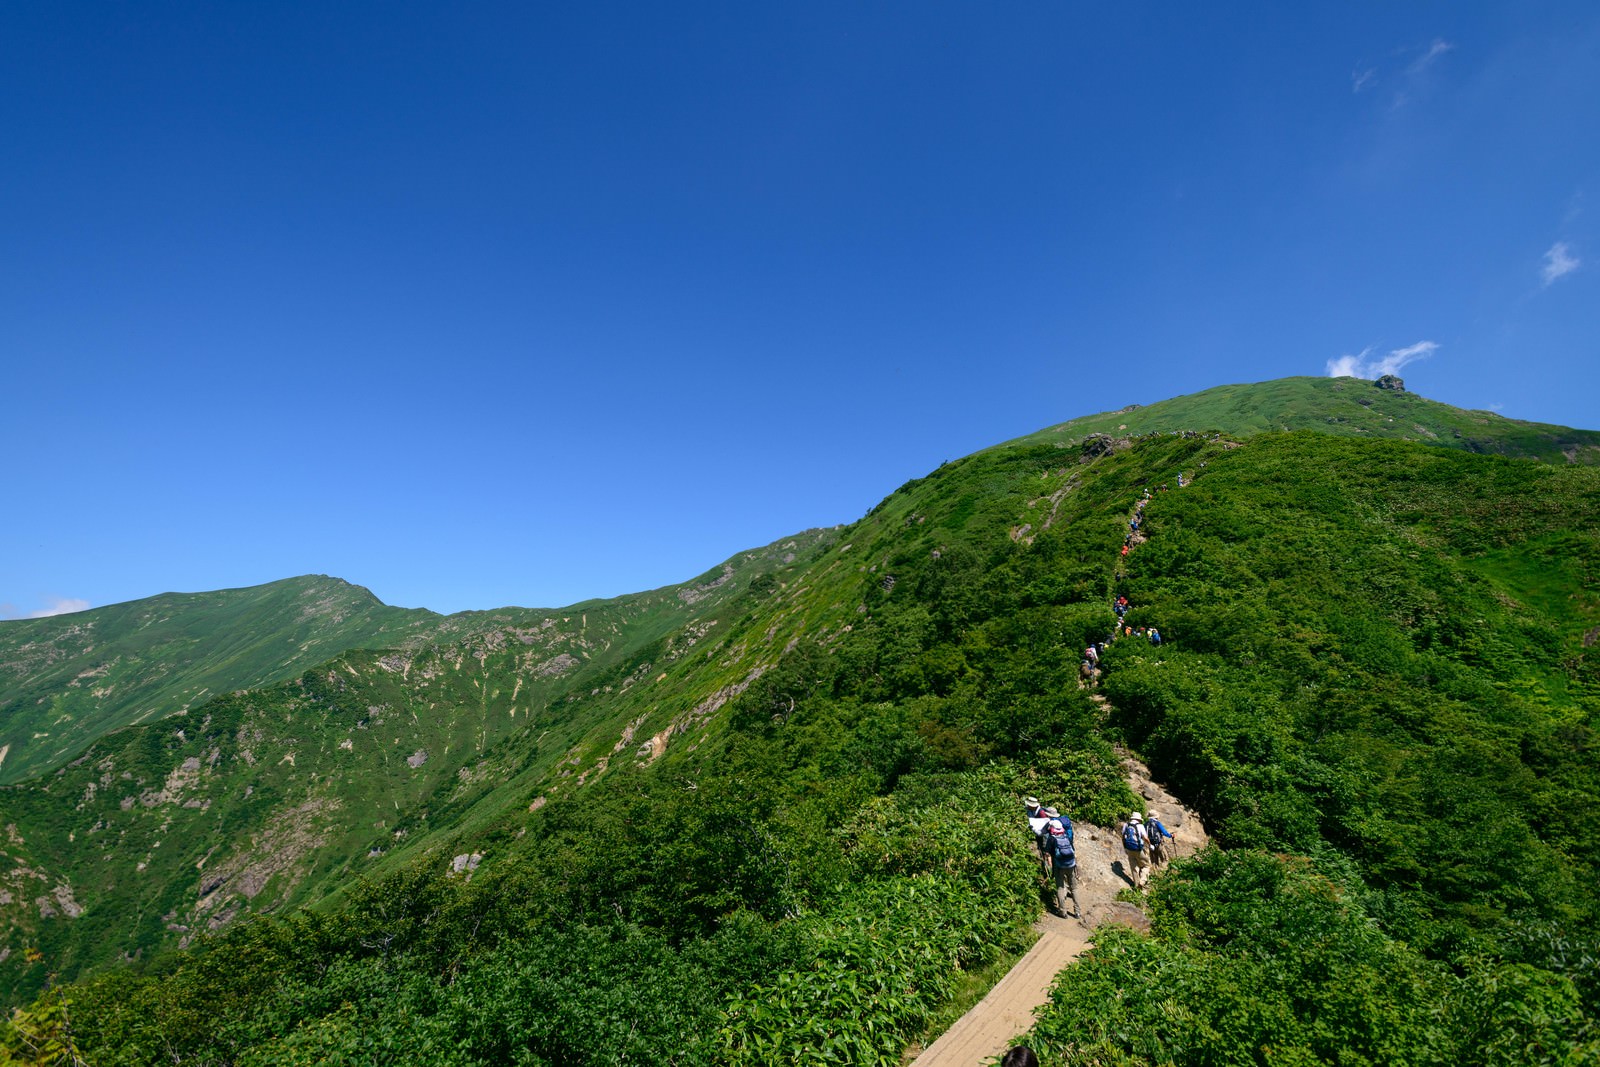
x: 266, y: 797
x: 68, y: 679
x: 783, y: 824
x: 1341, y: 407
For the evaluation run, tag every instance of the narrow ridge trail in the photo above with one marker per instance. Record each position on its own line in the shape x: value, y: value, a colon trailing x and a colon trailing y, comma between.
x: 1006, y: 1013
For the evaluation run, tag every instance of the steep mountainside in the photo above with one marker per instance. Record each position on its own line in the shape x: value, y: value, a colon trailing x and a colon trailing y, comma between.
x: 263, y: 797
x: 68, y: 679
x: 769, y: 816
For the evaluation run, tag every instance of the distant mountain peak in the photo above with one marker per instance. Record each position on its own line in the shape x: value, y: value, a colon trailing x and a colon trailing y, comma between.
x: 1344, y: 407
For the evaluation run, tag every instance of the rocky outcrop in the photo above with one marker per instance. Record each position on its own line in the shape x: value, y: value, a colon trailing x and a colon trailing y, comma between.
x: 1101, y: 444
x: 1391, y: 383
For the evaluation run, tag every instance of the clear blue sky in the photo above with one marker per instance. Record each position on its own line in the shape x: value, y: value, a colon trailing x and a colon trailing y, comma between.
x: 517, y: 303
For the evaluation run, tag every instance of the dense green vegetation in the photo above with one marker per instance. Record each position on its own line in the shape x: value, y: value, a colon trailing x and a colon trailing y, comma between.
x: 1256, y: 959
x: 279, y: 795
x: 772, y: 900
x: 1385, y: 661
x: 1356, y: 666
x: 785, y: 831
x: 821, y: 869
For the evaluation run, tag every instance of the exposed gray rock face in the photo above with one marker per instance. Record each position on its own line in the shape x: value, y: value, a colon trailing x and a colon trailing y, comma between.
x: 1101, y: 444
x: 1390, y: 382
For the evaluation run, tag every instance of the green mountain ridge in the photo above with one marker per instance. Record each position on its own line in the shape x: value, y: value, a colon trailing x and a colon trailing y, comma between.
x: 263, y: 797
x: 67, y: 679
x: 1365, y: 635
x: 1339, y: 406
x: 62, y: 684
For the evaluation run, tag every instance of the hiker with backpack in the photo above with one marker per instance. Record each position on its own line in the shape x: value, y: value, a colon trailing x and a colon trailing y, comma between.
x: 1136, y: 842
x: 1162, y: 843
x: 1063, y: 861
x: 1036, y: 826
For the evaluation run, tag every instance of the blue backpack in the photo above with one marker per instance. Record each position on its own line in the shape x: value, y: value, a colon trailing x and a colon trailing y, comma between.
x: 1060, y: 844
x: 1130, y: 838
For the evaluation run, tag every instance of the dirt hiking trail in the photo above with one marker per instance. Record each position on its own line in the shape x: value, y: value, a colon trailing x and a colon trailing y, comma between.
x: 996, y: 1021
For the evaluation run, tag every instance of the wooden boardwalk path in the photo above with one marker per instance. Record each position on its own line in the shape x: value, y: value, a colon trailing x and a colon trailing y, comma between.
x: 1007, y: 1012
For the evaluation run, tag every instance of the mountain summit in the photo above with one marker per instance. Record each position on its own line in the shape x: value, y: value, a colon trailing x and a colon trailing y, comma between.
x: 1350, y: 407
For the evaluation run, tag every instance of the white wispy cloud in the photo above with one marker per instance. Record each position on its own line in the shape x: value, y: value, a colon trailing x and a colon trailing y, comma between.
x: 59, y: 605
x: 1438, y: 48
x: 1415, y: 80
x: 1558, y: 262
x: 1362, y: 78
x: 1364, y: 365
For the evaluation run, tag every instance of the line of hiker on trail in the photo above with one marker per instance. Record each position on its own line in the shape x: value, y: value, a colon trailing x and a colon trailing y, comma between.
x: 1089, y: 667
x: 1187, y: 435
x: 1145, y: 841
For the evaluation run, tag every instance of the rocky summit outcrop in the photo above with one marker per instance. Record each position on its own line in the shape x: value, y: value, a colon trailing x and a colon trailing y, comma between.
x: 1391, y: 383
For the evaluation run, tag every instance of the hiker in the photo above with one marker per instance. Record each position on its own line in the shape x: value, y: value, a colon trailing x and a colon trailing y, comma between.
x: 1155, y: 636
x: 1091, y: 656
x: 1036, y: 822
x: 1162, y: 843
x: 1135, y: 842
x: 1063, y: 862
x: 1019, y: 1056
